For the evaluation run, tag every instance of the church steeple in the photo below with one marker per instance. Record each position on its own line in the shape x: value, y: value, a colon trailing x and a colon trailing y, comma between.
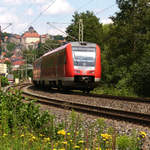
x: 31, y: 29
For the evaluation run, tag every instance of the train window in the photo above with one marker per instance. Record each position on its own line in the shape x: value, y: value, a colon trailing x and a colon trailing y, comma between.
x: 84, y: 56
x: 61, y: 57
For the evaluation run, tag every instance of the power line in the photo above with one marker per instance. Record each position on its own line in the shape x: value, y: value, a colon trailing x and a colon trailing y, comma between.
x: 61, y: 30
x: 6, y: 26
x: 51, y: 3
x: 59, y: 22
x: 50, y: 23
x: 101, y: 11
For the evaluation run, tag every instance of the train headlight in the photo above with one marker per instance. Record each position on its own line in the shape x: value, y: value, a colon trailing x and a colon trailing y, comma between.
x: 77, y: 71
x: 92, y: 72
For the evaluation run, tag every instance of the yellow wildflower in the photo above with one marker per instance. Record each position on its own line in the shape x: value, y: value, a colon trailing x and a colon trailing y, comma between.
x: 81, y: 141
x: 61, y: 132
x: 22, y: 135
x: 98, y: 148
x: 106, y: 136
x: 46, y: 139
x: 143, y: 134
x: 68, y: 133
x: 65, y: 142
x: 4, y: 134
x: 32, y: 138
x: 41, y: 135
x: 76, y: 146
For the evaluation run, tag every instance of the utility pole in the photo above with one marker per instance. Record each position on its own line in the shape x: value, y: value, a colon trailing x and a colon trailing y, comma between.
x: 26, y: 67
x: 80, y: 30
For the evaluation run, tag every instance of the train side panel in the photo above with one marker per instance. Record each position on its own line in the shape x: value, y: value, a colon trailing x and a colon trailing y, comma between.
x: 61, y: 60
x: 48, y: 67
x: 37, y: 70
x: 53, y: 66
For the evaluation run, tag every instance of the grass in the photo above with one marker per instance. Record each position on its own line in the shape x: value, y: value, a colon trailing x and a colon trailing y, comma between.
x: 24, y: 127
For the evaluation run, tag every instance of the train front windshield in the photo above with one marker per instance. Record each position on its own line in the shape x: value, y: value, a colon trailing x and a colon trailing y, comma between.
x: 84, y: 57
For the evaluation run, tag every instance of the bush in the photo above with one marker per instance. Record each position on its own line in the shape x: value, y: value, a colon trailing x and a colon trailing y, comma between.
x: 24, y: 125
x: 4, y: 81
x: 15, y: 114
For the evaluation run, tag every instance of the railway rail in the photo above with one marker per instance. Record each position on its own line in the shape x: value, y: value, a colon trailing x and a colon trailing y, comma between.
x: 134, y: 117
x: 118, y: 98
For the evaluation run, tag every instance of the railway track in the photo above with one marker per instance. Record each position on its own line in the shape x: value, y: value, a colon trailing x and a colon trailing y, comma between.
x: 17, y: 86
x: 118, y: 98
x: 134, y: 117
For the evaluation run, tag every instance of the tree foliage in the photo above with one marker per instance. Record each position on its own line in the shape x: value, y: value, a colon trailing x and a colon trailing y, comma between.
x: 4, y: 81
x: 11, y: 46
x: 92, y: 28
x: 45, y: 47
x: 127, y: 47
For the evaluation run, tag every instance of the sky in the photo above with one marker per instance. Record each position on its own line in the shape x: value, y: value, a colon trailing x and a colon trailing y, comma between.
x: 50, y: 16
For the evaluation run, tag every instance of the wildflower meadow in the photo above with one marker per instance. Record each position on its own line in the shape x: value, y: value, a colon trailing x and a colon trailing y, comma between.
x: 24, y: 127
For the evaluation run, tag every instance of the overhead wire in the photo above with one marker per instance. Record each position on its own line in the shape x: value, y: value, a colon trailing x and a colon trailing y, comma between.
x: 101, y: 11
x: 34, y: 20
x: 85, y: 4
x: 61, y: 30
x: 6, y: 26
x: 52, y: 2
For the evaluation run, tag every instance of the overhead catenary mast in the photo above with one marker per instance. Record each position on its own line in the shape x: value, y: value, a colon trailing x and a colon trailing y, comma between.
x: 81, y: 30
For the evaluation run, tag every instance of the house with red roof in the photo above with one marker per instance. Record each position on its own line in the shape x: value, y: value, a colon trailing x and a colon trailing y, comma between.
x: 30, y: 39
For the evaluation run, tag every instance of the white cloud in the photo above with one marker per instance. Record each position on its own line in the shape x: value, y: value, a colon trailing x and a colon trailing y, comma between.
x: 39, y: 1
x: 8, y: 17
x: 13, y: 2
x: 106, y: 21
x: 59, y: 7
x: 55, y: 30
x: 3, y: 9
x: 29, y: 12
x: 20, y: 24
x: 20, y: 27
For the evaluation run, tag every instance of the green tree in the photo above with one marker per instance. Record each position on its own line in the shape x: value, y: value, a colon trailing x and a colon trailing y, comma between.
x: 58, y: 37
x: 45, y: 47
x: 8, y: 66
x: 4, y: 81
x: 11, y: 46
x: 5, y: 34
x: 128, y: 42
x: 92, y: 28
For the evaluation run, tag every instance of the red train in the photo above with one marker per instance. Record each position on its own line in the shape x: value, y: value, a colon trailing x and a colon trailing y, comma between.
x: 72, y: 66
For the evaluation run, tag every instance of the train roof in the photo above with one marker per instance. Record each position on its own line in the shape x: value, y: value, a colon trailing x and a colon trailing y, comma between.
x: 84, y: 44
